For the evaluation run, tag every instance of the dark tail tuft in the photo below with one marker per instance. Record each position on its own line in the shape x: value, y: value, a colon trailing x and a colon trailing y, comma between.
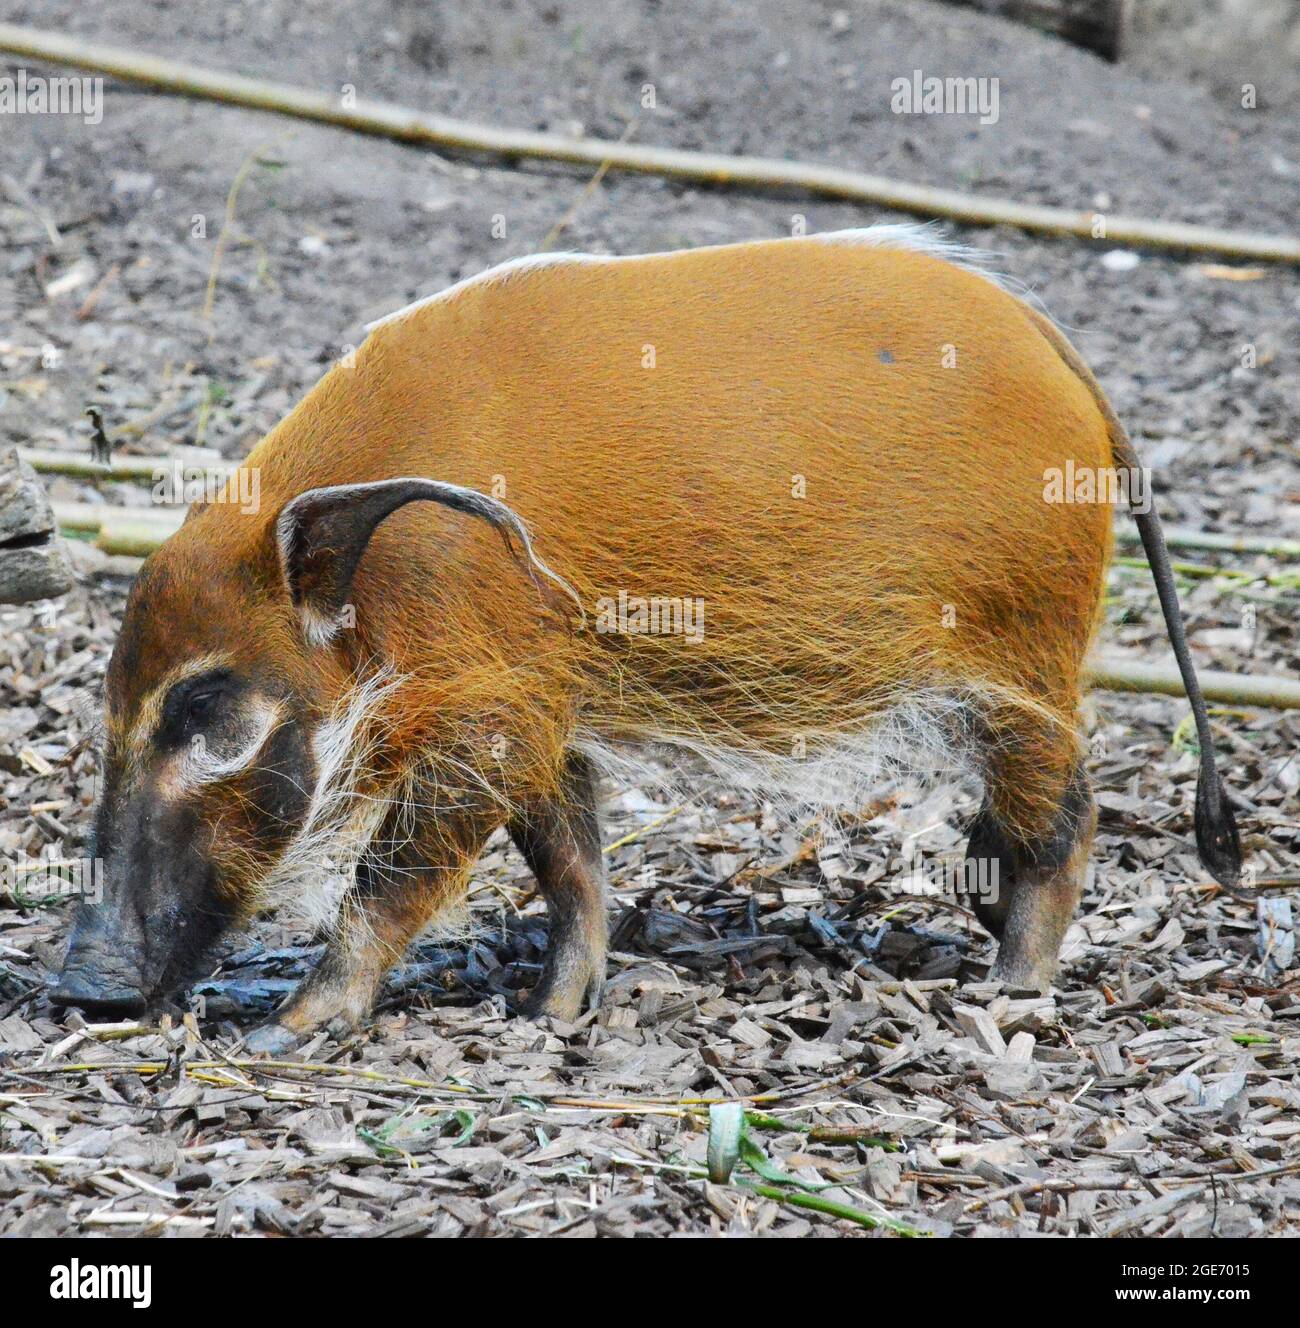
x: 1216, y: 829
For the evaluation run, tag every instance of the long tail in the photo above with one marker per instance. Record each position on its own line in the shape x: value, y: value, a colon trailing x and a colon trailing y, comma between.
x: 1217, y: 841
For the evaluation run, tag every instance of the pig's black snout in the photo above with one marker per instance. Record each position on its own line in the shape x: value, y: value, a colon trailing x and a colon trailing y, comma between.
x: 101, y: 972
x: 92, y: 994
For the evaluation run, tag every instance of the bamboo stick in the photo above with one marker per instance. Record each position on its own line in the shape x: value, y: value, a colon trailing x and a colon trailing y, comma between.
x: 1180, y: 538
x: 1124, y: 675
x: 79, y: 465
x: 134, y: 536
x: 92, y: 517
x: 1207, y: 571
x: 412, y: 126
x: 138, y: 533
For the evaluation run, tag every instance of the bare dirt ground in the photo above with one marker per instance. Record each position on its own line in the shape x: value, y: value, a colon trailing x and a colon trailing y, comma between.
x: 1152, y: 1093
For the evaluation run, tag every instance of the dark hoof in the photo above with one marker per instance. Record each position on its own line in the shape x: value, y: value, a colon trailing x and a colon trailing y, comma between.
x: 548, y: 1000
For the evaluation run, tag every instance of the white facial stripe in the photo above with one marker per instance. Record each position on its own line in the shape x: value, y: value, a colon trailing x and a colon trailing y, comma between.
x: 199, y: 767
x: 145, y: 720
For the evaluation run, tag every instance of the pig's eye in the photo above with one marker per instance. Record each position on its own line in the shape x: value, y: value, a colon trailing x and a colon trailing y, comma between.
x: 195, y: 704
x: 201, y: 707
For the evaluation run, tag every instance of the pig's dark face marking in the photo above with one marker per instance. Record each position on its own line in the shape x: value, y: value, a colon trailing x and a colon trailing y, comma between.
x: 206, y: 784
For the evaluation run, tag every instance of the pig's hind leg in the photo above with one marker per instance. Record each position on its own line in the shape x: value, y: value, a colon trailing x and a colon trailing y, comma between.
x: 1027, y: 861
x: 407, y: 876
x: 560, y: 839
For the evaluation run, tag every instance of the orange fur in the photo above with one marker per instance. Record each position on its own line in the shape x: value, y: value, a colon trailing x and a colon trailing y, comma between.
x: 772, y: 361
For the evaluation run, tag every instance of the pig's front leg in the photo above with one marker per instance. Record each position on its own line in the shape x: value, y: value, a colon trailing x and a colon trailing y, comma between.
x: 403, y: 880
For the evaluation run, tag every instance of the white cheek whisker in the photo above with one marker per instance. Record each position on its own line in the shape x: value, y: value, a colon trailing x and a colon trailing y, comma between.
x: 320, y: 863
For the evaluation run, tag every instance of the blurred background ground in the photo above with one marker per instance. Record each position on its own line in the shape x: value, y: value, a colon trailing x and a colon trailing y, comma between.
x: 1148, y: 1096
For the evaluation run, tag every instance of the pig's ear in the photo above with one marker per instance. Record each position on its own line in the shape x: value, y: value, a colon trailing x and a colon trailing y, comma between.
x: 323, y: 533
